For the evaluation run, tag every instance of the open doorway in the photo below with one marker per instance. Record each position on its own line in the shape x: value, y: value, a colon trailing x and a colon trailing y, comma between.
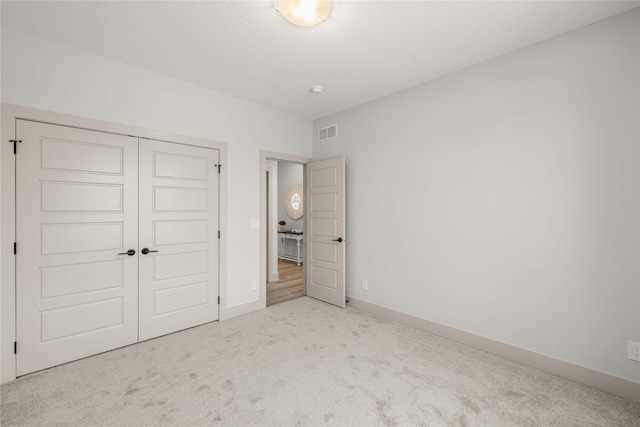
x: 283, y: 253
x: 285, y: 248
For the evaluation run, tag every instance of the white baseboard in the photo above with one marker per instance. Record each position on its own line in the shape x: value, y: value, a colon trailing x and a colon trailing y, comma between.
x: 600, y: 380
x: 239, y: 310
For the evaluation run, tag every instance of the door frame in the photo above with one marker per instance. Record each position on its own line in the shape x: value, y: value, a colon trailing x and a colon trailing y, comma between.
x: 264, y: 156
x: 272, y: 275
x: 10, y: 113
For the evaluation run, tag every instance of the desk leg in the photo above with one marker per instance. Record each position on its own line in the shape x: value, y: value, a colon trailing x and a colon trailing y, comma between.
x: 298, y: 245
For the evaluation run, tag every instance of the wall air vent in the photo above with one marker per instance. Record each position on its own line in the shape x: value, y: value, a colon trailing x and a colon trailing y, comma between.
x: 328, y: 132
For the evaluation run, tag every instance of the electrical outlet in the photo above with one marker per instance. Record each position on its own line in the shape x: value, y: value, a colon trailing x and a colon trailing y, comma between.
x: 365, y: 284
x: 254, y: 285
x: 634, y: 351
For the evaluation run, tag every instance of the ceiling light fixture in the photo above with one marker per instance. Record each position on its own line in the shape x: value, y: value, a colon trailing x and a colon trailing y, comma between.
x: 305, y: 13
x: 316, y: 89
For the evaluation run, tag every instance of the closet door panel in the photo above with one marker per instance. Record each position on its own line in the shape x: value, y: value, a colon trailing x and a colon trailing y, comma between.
x: 179, y: 227
x: 77, y: 211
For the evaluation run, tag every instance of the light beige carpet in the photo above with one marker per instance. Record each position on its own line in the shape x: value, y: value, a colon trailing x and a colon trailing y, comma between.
x: 304, y: 362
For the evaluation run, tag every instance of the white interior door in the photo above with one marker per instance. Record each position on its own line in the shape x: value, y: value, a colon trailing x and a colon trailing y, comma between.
x: 179, y: 226
x: 77, y: 213
x: 325, y: 231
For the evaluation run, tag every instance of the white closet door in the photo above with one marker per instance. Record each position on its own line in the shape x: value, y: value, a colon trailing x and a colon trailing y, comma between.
x: 179, y: 226
x: 77, y: 212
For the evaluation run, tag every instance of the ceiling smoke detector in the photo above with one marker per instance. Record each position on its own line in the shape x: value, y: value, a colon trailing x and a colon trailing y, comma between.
x: 316, y: 89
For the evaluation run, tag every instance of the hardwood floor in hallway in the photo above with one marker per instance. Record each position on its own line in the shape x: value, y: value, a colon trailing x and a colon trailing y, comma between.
x: 289, y: 286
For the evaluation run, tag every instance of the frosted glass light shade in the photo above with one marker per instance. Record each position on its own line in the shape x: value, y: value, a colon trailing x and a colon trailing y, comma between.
x: 305, y: 13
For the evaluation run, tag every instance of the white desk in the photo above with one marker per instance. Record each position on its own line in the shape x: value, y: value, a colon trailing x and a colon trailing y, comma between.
x: 289, y: 235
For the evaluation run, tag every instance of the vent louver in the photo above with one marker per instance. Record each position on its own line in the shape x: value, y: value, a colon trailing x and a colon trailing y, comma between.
x: 328, y: 132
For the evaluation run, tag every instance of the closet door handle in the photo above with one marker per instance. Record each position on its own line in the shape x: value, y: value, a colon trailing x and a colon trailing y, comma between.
x: 130, y: 252
x: 339, y: 240
x: 146, y: 251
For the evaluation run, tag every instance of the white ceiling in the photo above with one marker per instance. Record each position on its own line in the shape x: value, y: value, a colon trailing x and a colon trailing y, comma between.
x: 365, y: 50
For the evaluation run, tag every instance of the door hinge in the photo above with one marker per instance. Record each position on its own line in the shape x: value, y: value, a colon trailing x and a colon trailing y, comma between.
x: 15, y: 143
x: 218, y: 234
x: 15, y: 347
x: 15, y: 248
x: 219, y: 167
x: 218, y: 299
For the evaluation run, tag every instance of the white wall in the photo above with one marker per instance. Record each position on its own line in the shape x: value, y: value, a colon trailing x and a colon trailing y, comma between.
x: 289, y: 174
x: 44, y: 75
x: 503, y: 199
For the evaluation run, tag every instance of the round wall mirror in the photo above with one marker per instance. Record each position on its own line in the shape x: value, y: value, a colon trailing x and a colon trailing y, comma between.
x: 293, y: 201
